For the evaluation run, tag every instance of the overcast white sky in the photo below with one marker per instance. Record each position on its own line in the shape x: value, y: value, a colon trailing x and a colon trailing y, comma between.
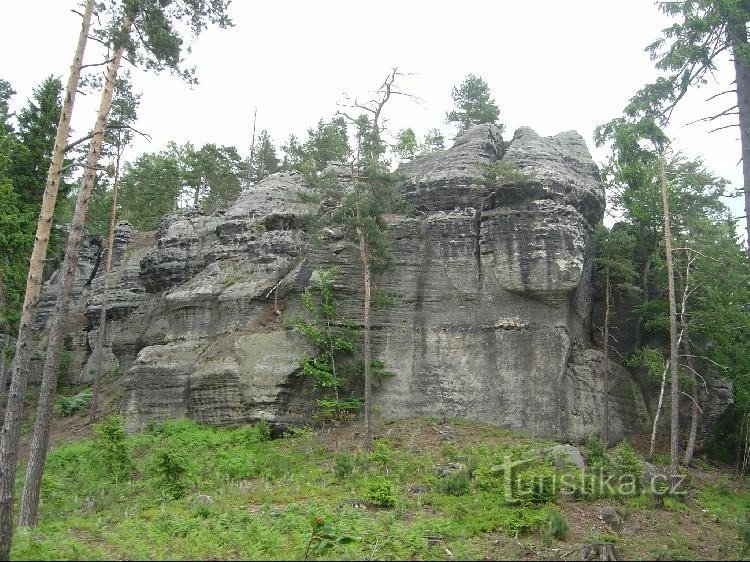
x: 552, y: 65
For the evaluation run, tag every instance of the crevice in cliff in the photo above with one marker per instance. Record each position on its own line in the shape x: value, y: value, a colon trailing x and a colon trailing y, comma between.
x: 97, y: 264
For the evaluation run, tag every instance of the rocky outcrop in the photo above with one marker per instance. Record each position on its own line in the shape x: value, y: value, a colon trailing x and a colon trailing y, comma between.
x: 491, y: 298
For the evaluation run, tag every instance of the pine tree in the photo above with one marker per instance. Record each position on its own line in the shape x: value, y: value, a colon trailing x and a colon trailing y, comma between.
x: 265, y: 161
x: 474, y: 104
x: 9, y: 437
x: 146, y: 30
x: 688, y: 53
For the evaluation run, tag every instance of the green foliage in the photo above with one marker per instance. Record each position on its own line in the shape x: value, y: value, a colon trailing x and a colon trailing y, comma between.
x: 624, y: 462
x: 456, y: 484
x: 594, y: 451
x: 179, y: 176
x: 25, y: 154
x: 113, y: 452
x: 687, y: 52
x: 649, y: 358
x: 328, y: 142
x: 171, y: 468
x: 334, y: 338
x: 265, y: 161
x: 267, y: 492
x: 474, y: 104
x: 339, y: 409
x: 343, y: 465
x: 155, y: 41
x: 500, y: 173
x: 433, y: 141
x: 553, y: 525
x: 380, y: 491
x: 324, y: 537
x: 68, y: 405
x: 743, y: 528
x: 406, y: 145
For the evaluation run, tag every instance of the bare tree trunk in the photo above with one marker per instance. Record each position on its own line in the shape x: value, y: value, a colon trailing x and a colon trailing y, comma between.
x: 605, y: 384
x: 367, y: 351
x: 3, y: 364
x: 695, y: 412
x: 40, y: 439
x: 673, y: 342
x: 20, y: 373
x: 659, y: 405
x: 252, y: 150
x: 101, y: 336
x: 738, y: 38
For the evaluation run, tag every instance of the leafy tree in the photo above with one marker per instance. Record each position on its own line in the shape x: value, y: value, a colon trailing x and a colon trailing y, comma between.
x: 688, y: 53
x: 703, y: 241
x: 474, y: 104
x: 212, y: 175
x: 406, y: 145
x: 149, y: 188
x: 361, y: 208
x: 328, y: 142
x: 335, y: 339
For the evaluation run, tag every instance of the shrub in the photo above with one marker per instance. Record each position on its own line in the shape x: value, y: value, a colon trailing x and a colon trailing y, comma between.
x: 624, y: 463
x: 595, y: 452
x: 554, y: 525
x: 171, y: 470
x: 66, y: 406
x: 343, y: 465
x: 113, y: 451
x: 456, y: 484
x: 380, y: 492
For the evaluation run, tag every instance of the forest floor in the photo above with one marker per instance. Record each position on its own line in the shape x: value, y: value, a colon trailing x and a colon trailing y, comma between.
x: 430, y: 489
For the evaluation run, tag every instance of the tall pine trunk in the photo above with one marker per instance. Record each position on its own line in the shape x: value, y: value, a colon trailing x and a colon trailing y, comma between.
x: 673, y: 342
x: 101, y: 336
x: 40, y: 439
x: 3, y: 365
x: 738, y: 39
x: 605, y: 383
x: 20, y: 373
x: 367, y: 351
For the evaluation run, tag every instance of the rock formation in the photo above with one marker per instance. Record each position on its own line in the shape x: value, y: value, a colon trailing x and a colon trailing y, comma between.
x: 492, y: 292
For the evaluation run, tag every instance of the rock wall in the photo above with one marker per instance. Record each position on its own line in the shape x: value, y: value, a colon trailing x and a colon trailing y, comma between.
x: 492, y: 291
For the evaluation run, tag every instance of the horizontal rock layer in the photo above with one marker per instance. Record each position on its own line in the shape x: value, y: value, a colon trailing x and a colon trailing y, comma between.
x: 491, y: 291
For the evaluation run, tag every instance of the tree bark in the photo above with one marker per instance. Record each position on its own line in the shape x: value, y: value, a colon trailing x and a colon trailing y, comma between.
x: 738, y: 38
x: 367, y: 351
x: 40, y: 439
x: 3, y: 365
x: 673, y: 342
x: 605, y: 383
x: 9, y: 437
x: 695, y: 412
x: 101, y: 336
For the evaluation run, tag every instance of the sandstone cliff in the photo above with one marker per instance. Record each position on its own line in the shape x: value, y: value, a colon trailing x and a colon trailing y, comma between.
x: 492, y: 290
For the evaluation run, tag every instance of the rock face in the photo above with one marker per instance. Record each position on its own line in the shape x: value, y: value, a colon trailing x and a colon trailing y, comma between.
x: 492, y: 292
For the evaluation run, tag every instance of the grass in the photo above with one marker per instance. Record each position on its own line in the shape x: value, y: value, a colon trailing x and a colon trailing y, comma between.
x: 136, y: 497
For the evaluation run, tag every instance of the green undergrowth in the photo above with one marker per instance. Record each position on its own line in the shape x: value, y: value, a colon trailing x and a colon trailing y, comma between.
x: 181, y: 490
